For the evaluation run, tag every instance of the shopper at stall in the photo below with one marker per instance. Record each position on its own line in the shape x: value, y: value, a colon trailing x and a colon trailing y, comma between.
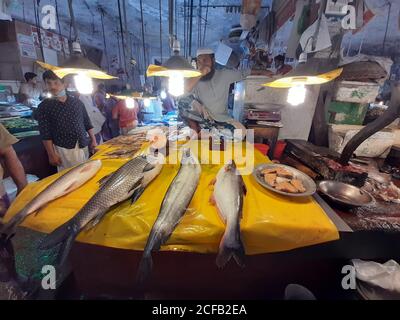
x: 13, y: 166
x: 168, y: 104
x: 100, y: 98
x: 126, y: 115
x: 96, y: 117
x: 64, y: 125
x: 31, y: 90
x: 280, y: 66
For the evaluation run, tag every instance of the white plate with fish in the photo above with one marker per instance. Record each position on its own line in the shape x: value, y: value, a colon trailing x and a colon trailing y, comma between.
x: 284, y: 180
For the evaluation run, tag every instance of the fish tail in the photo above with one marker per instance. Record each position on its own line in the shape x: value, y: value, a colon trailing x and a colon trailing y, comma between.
x: 64, y: 235
x: 8, y: 229
x: 144, y: 270
x: 227, y: 251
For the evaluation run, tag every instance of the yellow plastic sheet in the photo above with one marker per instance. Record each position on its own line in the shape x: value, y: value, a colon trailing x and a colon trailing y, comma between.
x: 62, y: 72
x: 270, y: 222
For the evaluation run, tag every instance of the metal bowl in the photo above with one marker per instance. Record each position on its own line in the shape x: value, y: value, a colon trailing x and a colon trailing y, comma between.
x: 308, y: 183
x: 345, y: 194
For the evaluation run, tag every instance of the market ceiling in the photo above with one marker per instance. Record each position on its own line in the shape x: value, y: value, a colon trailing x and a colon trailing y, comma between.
x: 221, y: 16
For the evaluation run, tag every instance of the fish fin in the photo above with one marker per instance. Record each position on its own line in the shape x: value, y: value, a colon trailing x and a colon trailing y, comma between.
x: 10, y: 228
x: 103, y: 180
x: 95, y: 221
x: 212, y: 182
x: 64, y: 235
x: 56, y: 237
x: 244, y: 188
x: 144, y: 270
x: 65, y: 249
x: 136, y: 186
x: 226, y: 253
x: 136, y: 194
x: 148, y: 167
x: 212, y: 200
x: 36, y: 213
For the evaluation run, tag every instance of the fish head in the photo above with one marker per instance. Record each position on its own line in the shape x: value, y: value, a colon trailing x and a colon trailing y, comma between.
x: 188, y: 157
x: 231, y: 166
x: 157, y: 138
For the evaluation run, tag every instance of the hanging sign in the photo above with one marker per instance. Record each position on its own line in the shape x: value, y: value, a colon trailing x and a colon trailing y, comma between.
x: 26, y: 46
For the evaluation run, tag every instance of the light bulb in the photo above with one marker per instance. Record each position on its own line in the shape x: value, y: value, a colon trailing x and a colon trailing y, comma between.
x: 176, y: 84
x: 130, y: 103
x: 83, y: 84
x: 146, y: 102
x: 296, y: 95
x: 163, y: 95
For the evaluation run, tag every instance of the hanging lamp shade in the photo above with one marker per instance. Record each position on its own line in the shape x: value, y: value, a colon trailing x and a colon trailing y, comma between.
x: 174, y: 64
x: 77, y: 64
x: 314, y: 71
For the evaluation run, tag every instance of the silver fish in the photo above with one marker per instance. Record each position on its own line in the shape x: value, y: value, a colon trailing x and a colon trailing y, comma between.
x: 228, y: 194
x: 173, y: 207
x: 65, y: 184
x: 124, y: 183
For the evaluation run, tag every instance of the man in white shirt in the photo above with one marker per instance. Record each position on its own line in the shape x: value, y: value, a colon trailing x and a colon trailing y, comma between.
x: 95, y: 116
x: 31, y: 90
x: 211, y: 90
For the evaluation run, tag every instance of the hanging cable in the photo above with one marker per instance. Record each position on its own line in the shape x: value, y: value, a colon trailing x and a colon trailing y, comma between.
x: 23, y: 10
x: 143, y: 42
x: 59, y: 24
x: 171, y: 18
x: 36, y: 4
x: 198, y: 22
x: 176, y: 18
x: 387, y: 28
x: 119, y: 48
x: 73, y: 22
x: 122, y: 35
x: 190, y: 28
x: 161, y: 48
x: 205, y: 23
x: 127, y: 43
x: 104, y: 37
x: 184, y: 27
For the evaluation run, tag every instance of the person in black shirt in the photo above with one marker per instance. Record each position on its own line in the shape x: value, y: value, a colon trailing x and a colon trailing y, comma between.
x: 64, y: 125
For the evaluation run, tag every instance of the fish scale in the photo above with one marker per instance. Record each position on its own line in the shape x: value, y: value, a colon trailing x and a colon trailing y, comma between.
x: 118, y: 187
x: 173, y: 207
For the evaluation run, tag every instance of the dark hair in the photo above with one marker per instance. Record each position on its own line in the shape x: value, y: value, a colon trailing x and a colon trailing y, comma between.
x: 50, y: 75
x: 29, y: 76
x: 280, y: 58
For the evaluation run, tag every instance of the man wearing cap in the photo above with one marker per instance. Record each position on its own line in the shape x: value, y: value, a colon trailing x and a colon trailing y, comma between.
x: 211, y: 89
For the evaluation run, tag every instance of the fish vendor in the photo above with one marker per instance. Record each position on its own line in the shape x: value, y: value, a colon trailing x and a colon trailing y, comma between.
x: 64, y: 125
x: 31, y: 91
x: 211, y: 91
